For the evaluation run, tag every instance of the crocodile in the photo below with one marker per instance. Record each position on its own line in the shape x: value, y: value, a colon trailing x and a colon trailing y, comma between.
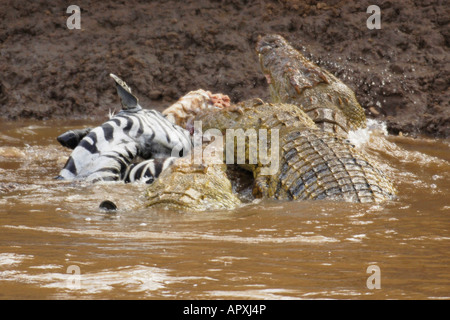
x: 312, y: 111
x: 190, y: 186
x: 192, y: 183
x: 313, y: 164
x: 293, y: 79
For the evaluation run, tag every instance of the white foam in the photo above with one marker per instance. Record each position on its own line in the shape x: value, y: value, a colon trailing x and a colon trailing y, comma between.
x: 7, y: 259
x: 135, y: 279
x: 361, y: 136
x: 182, y: 235
x: 261, y: 294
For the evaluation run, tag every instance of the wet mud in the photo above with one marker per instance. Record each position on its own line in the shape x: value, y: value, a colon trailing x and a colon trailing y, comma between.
x: 163, y: 49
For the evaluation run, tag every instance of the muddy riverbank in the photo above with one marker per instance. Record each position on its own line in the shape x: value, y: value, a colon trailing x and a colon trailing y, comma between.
x: 163, y: 49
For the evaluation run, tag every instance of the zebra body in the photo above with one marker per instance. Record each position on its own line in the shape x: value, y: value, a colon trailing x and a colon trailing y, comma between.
x: 108, y: 152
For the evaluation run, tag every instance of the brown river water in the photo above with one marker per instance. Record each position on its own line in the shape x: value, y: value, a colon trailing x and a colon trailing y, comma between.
x: 55, y: 242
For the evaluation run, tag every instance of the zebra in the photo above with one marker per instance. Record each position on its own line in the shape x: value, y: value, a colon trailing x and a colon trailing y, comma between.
x: 148, y: 170
x: 133, y: 144
x: 145, y: 171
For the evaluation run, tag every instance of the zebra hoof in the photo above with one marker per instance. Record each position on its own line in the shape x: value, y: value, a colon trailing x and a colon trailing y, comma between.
x: 108, y: 206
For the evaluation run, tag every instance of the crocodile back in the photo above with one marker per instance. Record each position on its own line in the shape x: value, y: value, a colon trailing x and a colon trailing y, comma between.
x: 319, y: 165
x: 312, y: 164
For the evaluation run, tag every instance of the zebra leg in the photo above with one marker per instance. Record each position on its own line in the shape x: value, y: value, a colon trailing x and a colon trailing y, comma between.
x: 147, y: 171
x: 72, y: 138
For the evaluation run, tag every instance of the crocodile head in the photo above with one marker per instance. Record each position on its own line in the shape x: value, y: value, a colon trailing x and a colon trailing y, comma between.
x: 188, y: 186
x: 294, y: 79
x: 288, y: 72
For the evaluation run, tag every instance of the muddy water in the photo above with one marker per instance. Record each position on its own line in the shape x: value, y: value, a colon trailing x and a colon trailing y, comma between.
x: 55, y: 243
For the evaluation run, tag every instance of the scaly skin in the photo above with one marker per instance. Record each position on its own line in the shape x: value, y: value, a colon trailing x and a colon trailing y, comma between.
x: 312, y: 111
x: 187, y: 186
x: 295, y: 80
x: 313, y: 164
x: 318, y: 165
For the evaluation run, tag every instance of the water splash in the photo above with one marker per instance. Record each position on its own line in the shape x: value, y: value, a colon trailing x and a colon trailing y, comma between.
x: 362, y: 136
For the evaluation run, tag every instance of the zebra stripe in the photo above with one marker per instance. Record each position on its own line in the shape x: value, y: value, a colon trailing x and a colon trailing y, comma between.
x: 108, y: 152
x: 147, y: 171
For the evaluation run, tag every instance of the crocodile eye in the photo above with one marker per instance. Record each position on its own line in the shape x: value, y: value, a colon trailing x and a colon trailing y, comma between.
x: 264, y: 49
x: 277, y: 44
